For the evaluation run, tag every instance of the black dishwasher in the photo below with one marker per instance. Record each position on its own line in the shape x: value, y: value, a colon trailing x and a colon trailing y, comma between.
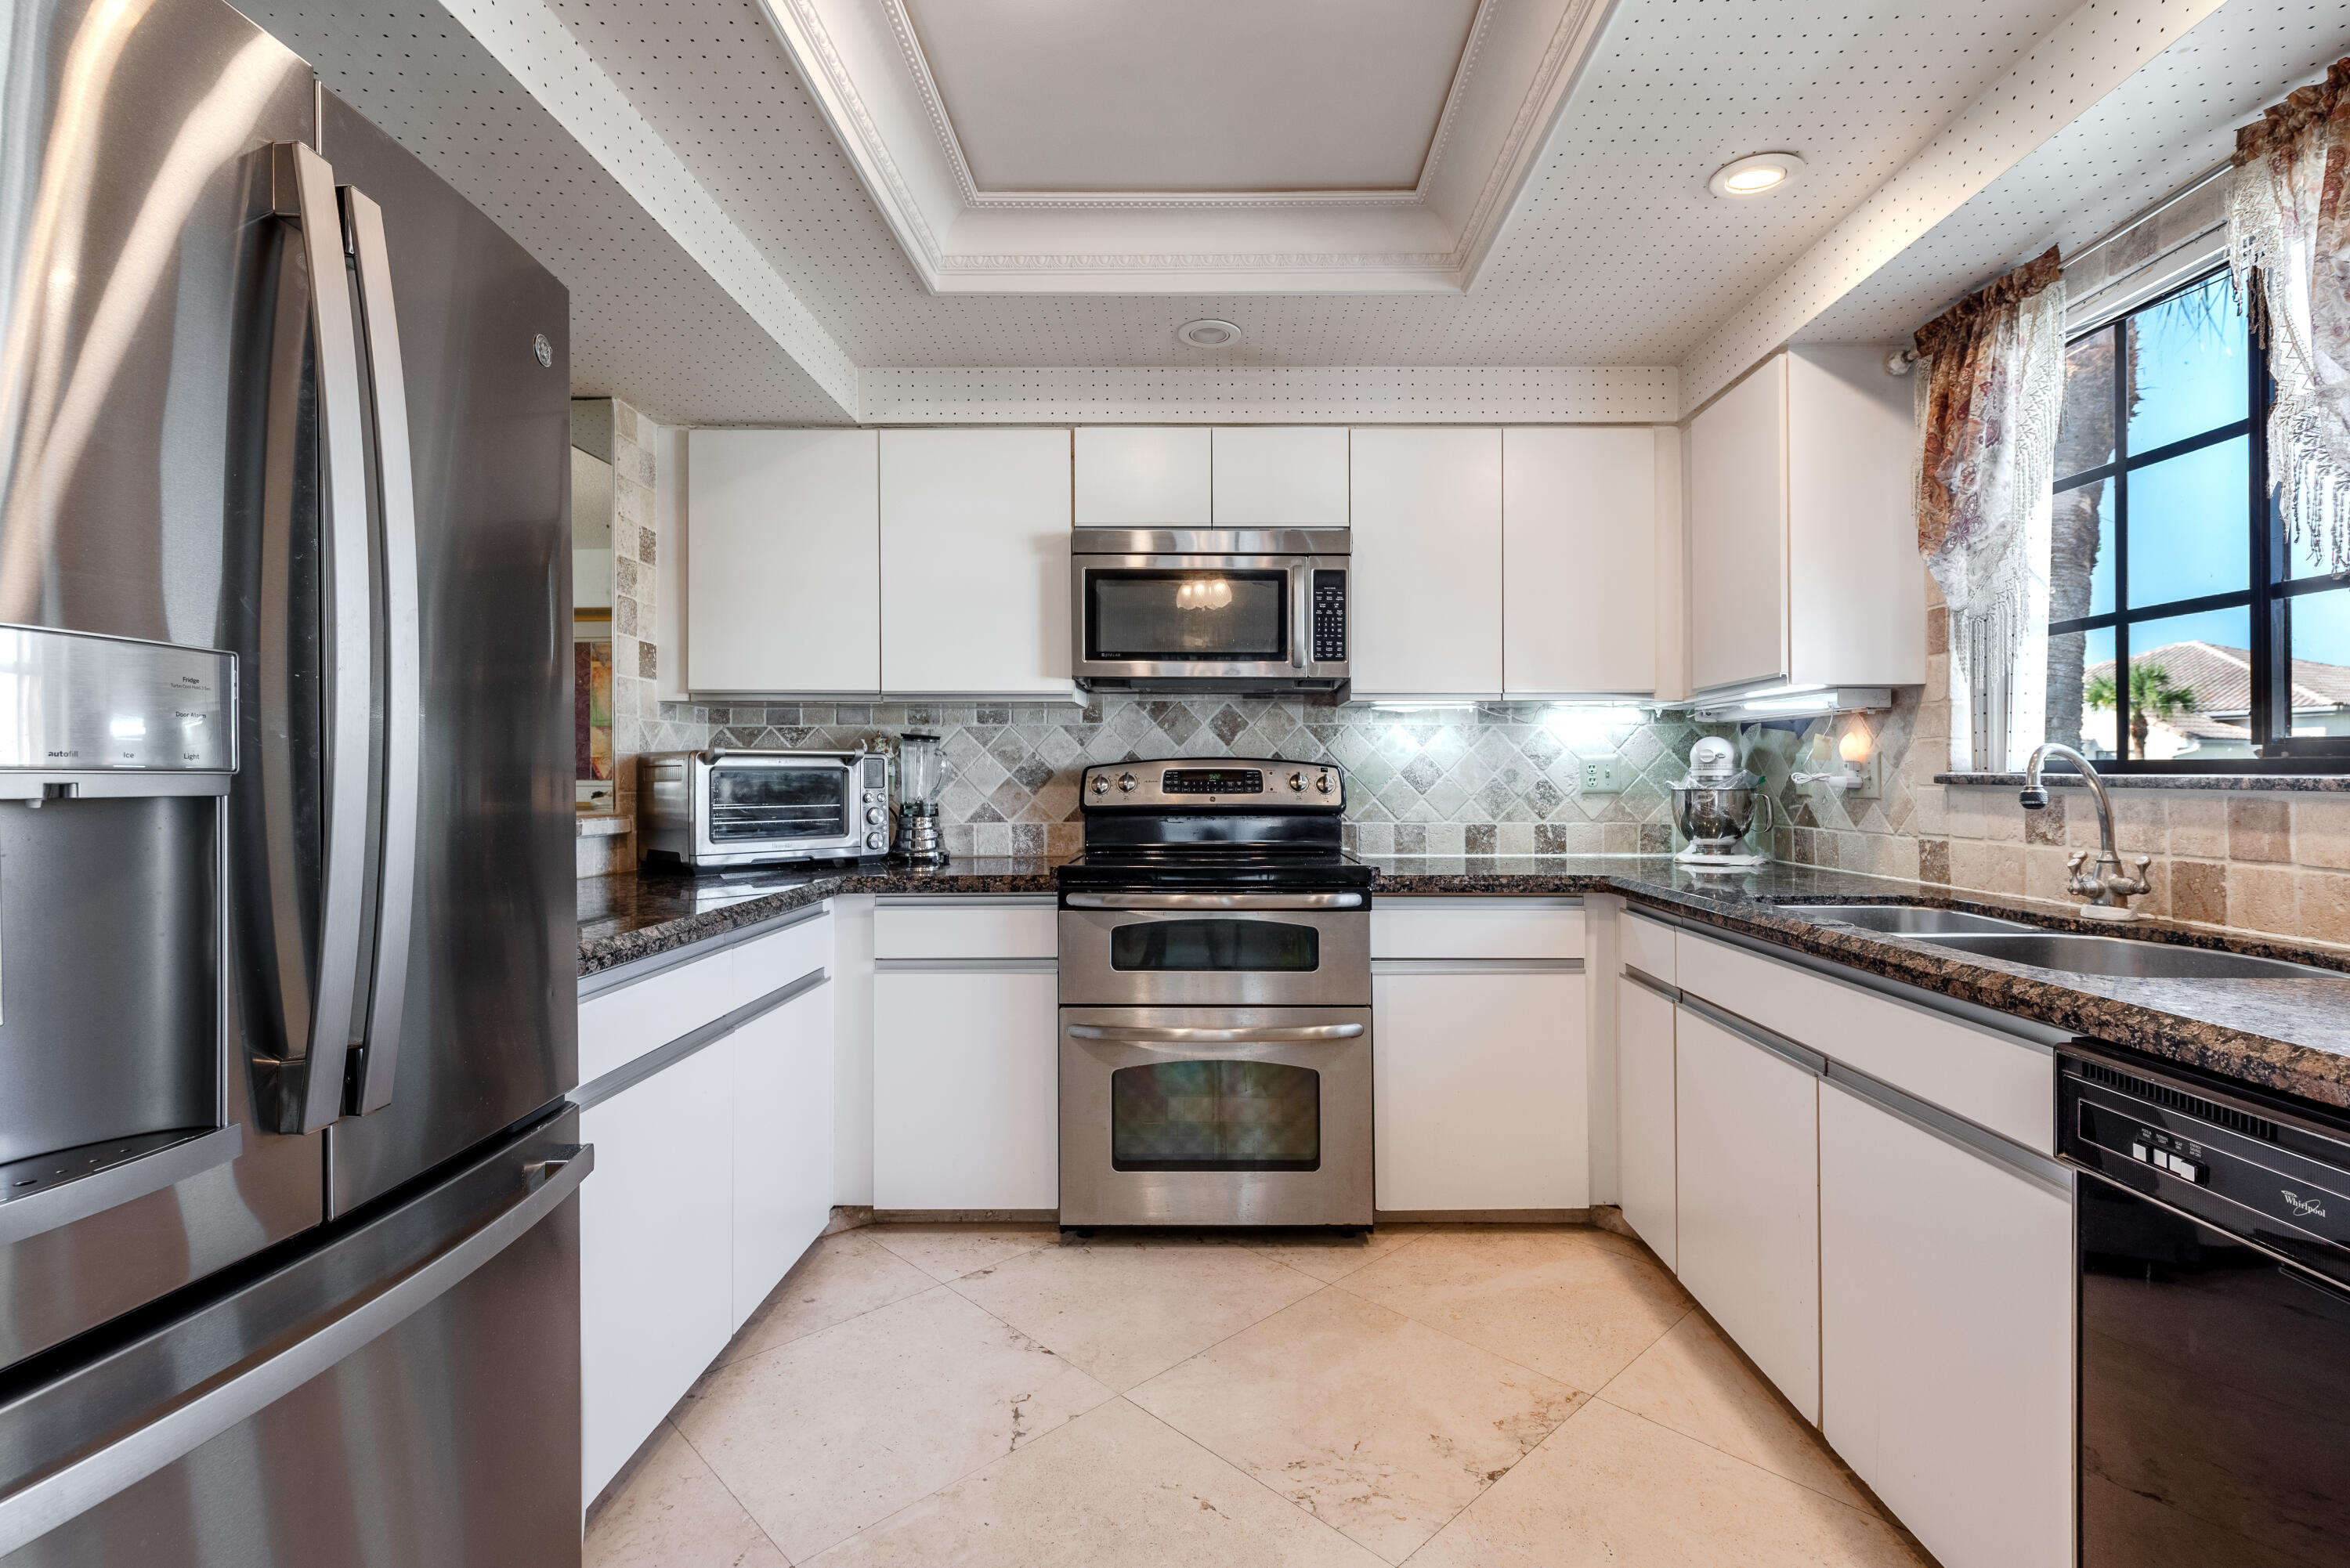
x: 2213, y: 1250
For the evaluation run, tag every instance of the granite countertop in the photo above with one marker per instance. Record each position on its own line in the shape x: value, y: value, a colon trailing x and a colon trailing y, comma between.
x: 2292, y: 1035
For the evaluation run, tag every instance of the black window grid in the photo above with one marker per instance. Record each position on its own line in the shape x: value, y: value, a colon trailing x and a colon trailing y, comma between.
x: 2268, y: 596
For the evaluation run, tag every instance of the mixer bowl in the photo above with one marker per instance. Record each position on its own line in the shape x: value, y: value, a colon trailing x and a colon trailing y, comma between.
x: 1715, y: 818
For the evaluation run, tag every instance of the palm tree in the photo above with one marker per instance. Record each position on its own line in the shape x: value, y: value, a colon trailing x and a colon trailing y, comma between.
x: 2152, y: 696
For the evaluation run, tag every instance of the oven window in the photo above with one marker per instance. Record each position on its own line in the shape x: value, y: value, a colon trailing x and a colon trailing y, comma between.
x: 1226, y: 616
x: 1177, y: 945
x: 1215, y: 1116
x: 777, y: 802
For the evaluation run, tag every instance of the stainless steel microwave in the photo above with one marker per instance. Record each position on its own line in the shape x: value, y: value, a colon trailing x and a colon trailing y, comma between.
x: 1224, y: 609
x: 755, y: 808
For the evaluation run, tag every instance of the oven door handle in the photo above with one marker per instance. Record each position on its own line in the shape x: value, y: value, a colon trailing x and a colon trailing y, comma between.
x: 1178, y: 1036
x: 1213, y: 900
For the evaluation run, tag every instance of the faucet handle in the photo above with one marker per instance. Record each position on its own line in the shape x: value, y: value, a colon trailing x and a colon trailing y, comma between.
x: 2073, y: 861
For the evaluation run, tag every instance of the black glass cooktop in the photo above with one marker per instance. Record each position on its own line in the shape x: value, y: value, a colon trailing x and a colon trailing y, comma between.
x: 1219, y: 867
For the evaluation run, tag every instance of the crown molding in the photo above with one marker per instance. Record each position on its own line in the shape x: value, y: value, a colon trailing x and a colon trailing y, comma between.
x: 863, y: 64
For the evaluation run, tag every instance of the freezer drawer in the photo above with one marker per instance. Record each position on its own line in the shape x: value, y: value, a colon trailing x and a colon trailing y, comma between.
x: 404, y: 1396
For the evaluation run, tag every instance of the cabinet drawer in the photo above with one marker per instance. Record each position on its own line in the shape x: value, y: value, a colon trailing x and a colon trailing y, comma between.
x: 1477, y: 928
x: 975, y: 929
x: 1992, y: 1079
x: 779, y: 958
x: 1647, y: 947
x: 619, y: 1026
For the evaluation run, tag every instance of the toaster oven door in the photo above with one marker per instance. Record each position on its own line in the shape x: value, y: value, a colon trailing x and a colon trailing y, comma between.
x: 760, y: 808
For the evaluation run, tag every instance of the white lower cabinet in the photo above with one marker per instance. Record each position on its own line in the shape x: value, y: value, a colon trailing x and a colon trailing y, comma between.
x: 1646, y: 1182
x: 1479, y: 1092
x: 1747, y: 1167
x: 966, y: 1083
x: 1946, y: 1335
x: 782, y: 1095
x: 656, y: 1255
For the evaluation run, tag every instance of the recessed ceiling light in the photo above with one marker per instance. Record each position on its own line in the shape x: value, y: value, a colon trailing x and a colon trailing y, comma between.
x: 1208, y: 333
x: 1753, y: 176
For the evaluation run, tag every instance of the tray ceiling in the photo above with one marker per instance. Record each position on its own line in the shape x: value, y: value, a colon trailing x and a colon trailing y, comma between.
x: 1062, y: 102
x: 1135, y: 147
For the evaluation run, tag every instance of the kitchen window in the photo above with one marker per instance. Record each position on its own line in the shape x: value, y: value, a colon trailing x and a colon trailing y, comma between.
x: 2169, y: 559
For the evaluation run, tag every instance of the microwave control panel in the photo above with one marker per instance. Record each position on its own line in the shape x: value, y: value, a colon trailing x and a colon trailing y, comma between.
x: 1329, y: 618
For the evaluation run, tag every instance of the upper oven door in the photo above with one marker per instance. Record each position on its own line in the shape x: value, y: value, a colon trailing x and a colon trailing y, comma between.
x: 1150, y: 617
x: 1255, y: 949
x: 752, y: 805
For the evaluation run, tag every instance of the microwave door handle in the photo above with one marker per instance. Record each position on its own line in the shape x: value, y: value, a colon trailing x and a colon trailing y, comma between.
x: 405, y: 690
x: 1301, y: 612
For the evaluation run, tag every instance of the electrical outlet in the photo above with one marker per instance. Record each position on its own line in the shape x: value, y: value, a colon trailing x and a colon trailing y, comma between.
x: 1602, y: 775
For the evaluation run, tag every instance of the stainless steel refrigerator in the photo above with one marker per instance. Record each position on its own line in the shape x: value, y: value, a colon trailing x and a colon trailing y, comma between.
x: 288, y: 1238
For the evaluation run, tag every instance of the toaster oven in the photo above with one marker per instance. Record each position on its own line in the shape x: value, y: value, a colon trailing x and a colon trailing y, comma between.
x: 710, y: 808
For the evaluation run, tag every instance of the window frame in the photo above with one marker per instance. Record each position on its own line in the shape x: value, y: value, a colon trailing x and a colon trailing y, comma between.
x: 2266, y: 596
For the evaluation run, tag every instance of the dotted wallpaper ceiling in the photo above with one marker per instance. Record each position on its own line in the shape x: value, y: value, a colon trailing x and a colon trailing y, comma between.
x: 1616, y: 255
x: 2169, y: 124
x: 647, y: 322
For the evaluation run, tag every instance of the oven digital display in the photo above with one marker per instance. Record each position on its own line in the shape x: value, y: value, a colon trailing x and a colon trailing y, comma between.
x: 1211, y: 781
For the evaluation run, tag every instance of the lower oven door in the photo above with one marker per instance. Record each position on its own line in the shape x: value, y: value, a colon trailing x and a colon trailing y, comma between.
x: 1310, y: 949
x: 1216, y: 1115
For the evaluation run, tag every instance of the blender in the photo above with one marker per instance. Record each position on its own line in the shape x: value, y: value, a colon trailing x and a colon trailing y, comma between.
x: 919, y: 840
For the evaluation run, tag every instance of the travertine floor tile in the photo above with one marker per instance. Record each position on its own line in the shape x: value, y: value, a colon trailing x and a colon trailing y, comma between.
x: 1127, y: 1311
x: 1610, y: 1488
x: 674, y: 1513
x: 1574, y: 1304
x: 1328, y: 1257
x: 842, y: 1275
x: 1376, y: 1424
x: 1112, y: 1487
x: 950, y: 1252
x: 840, y: 1428
x: 1692, y: 1381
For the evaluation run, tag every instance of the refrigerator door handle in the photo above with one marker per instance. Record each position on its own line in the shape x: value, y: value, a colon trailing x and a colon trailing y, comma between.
x: 311, y: 1081
x: 57, y: 1495
x: 403, y: 675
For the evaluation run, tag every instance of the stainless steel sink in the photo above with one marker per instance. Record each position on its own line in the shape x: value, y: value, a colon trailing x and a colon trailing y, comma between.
x: 1904, y: 919
x: 2120, y: 957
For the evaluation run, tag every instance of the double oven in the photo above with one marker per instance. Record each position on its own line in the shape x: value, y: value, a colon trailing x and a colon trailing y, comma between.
x: 1215, y: 989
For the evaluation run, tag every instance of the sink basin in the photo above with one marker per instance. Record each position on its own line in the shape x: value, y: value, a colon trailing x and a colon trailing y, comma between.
x: 1907, y: 919
x: 2121, y: 957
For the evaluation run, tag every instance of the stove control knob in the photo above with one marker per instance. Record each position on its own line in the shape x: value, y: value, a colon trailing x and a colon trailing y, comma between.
x: 1126, y: 783
x: 1101, y: 783
x: 876, y: 815
x: 1327, y: 782
x: 1297, y: 781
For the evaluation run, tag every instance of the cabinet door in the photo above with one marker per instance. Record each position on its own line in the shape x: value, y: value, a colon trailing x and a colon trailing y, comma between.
x: 1746, y: 1136
x: 1280, y: 476
x: 782, y: 1101
x: 1579, y: 561
x: 1738, y: 533
x: 1945, y: 1337
x: 966, y: 1089
x: 1479, y: 1089
x: 784, y: 581
x: 1855, y: 592
x: 1142, y: 477
x: 1428, y: 563
x: 1644, y: 1117
x: 656, y: 1254
x: 975, y: 561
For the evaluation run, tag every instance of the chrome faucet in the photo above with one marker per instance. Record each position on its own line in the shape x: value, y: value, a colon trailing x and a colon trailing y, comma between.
x: 2108, y: 890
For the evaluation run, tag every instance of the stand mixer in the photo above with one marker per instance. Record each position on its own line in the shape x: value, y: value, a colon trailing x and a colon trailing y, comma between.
x: 1716, y: 805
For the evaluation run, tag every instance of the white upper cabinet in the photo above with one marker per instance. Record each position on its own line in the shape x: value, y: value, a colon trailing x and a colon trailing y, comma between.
x: 783, y: 586
x: 975, y: 561
x: 1579, y: 561
x: 1803, y: 551
x: 1427, y: 562
x: 1142, y: 478
x: 1279, y: 476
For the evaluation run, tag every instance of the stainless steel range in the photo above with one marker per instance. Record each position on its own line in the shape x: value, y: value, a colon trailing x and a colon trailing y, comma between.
x: 1215, y: 1000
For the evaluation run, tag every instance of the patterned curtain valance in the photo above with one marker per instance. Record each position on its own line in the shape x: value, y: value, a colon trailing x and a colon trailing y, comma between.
x: 2289, y: 252
x: 1993, y: 391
